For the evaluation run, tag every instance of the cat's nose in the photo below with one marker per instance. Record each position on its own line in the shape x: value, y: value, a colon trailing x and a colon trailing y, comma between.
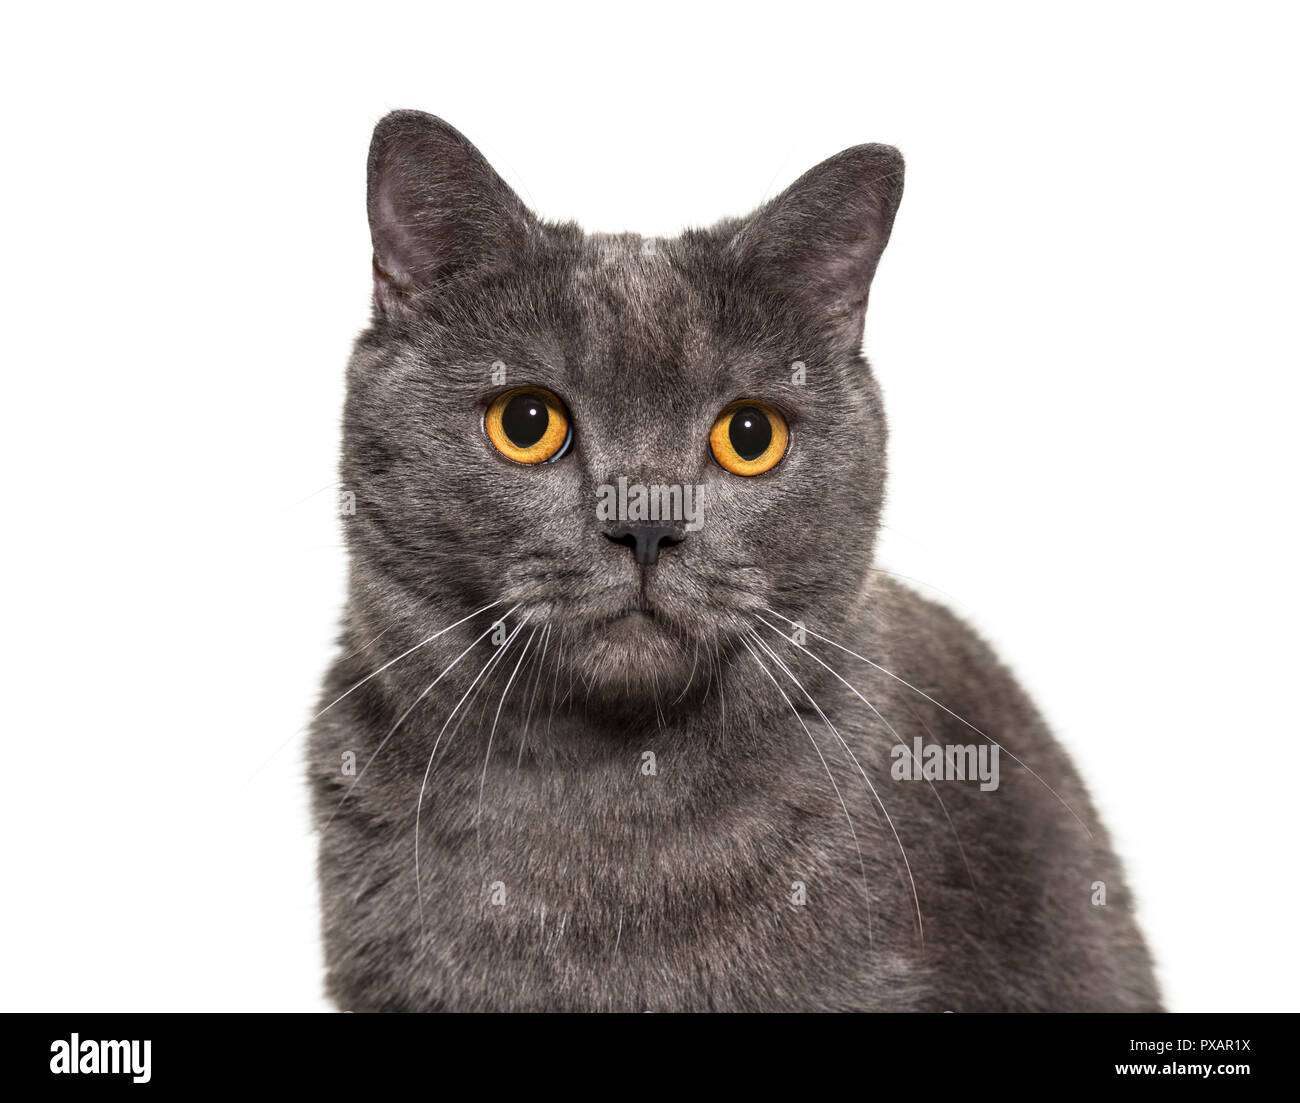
x: 645, y: 540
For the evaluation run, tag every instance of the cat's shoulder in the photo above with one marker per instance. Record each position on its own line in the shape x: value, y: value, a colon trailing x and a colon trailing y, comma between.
x: 922, y: 641
x: 901, y: 618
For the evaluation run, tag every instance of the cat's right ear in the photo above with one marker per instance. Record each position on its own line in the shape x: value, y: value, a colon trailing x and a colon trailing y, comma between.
x: 437, y: 209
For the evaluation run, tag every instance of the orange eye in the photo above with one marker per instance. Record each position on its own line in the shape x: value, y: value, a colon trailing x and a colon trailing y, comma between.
x: 749, y: 438
x: 528, y: 425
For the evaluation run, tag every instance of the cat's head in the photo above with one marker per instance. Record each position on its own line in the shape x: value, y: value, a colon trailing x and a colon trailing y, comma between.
x: 644, y: 444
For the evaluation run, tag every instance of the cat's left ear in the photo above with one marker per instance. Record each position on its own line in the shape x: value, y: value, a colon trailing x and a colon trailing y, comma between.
x: 821, y: 239
x: 437, y: 209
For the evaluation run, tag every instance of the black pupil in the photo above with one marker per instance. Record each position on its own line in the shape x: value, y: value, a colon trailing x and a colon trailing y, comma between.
x: 750, y: 433
x: 525, y: 419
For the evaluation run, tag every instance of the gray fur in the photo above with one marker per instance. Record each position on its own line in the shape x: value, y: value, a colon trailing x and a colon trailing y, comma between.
x: 625, y: 890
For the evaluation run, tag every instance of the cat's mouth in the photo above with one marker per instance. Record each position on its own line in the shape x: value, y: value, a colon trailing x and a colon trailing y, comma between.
x: 635, y: 616
x: 639, y: 608
x: 635, y: 621
x: 634, y: 654
x: 633, y: 650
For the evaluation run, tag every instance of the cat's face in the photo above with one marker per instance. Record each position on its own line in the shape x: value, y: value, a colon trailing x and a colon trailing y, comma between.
x: 642, y: 445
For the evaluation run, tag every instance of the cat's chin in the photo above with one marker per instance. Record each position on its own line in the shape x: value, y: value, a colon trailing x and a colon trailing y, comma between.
x: 635, y: 655
x: 635, y: 625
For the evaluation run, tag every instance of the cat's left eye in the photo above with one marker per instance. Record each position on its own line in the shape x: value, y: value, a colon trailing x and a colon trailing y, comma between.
x: 528, y: 425
x: 749, y: 437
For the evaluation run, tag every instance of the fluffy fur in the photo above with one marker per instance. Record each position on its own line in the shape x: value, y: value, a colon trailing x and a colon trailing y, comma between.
x: 556, y: 870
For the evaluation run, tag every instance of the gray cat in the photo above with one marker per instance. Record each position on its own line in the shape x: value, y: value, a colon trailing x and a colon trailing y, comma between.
x: 625, y: 716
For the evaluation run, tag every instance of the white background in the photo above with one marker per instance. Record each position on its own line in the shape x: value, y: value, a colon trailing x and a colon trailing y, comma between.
x: 1085, y: 328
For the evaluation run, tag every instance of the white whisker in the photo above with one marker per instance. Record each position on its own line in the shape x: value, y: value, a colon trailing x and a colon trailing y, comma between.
x: 532, y: 700
x: 402, y: 719
x: 866, y: 891
x: 419, y: 804
x: 941, y: 705
x: 427, y: 639
x: 290, y: 737
x: 900, y: 741
x: 478, y: 815
x: 916, y: 900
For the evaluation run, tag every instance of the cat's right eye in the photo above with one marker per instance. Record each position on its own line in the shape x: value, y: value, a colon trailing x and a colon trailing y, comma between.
x: 528, y: 425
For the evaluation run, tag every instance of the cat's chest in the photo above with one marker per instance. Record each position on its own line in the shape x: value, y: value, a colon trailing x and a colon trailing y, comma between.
x: 552, y: 871
x: 552, y: 839
x: 540, y: 913
x: 586, y: 882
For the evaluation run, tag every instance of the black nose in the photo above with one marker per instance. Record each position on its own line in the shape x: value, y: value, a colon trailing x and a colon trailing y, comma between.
x: 645, y: 540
